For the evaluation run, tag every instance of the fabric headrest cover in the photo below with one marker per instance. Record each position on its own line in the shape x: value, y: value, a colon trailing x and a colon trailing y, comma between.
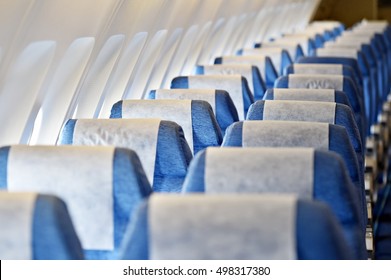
x: 222, y: 227
x: 178, y: 111
x: 285, y: 134
x: 316, y: 81
x: 16, y: 218
x: 140, y: 135
x: 244, y: 170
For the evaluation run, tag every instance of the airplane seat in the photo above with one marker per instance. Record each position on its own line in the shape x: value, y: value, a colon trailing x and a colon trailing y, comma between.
x: 160, y: 145
x: 95, y: 182
x: 336, y: 82
x: 220, y: 101
x: 262, y: 62
x: 234, y: 227
x: 251, y: 73
x: 196, y: 118
x: 305, y: 172
x: 36, y: 227
x: 235, y: 85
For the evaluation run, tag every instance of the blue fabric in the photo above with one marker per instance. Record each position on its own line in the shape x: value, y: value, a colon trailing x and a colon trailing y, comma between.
x: 337, y: 191
x: 173, y: 156
x: 299, y: 52
x: 259, y: 84
x: 353, y: 95
x: 53, y: 234
x: 286, y: 60
x: 4, y: 151
x: 312, y: 242
x: 116, y: 110
x: 66, y: 136
x: 226, y: 113
x: 206, y: 131
x: 248, y: 99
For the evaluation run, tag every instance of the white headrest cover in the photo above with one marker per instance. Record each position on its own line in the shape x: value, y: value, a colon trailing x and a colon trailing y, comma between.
x: 338, y: 52
x: 222, y: 227
x: 208, y: 95
x: 324, y: 69
x: 299, y: 111
x: 178, y: 111
x: 254, y: 60
x: 231, y: 69
x: 285, y: 134
x: 16, y: 219
x: 354, y: 39
x: 316, y: 81
x: 254, y: 170
x: 140, y: 135
x: 81, y: 176
x: 231, y: 83
x: 290, y: 47
x: 324, y: 95
x: 274, y: 54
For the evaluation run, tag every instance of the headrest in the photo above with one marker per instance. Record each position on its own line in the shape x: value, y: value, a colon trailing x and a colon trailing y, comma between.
x: 245, y: 70
x: 37, y: 167
x: 279, y: 56
x: 222, y: 227
x: 178, y: 111
x: 291, y: 170
x: 285, y: 134
x: 262, y: 62
x: 31, y: 228
x: 324, y: 69
x: 140, y: 135
x: 292, y: 47
x: 220, y: 100
x: 323, y: 95
x: 233, y: 84
x: 316, y: 81
x: 339, y: 52
x: 295, y: 111
x: 77, y: 171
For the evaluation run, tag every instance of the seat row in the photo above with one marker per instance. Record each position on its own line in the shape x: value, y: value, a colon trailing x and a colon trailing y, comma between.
x: 289, y: 182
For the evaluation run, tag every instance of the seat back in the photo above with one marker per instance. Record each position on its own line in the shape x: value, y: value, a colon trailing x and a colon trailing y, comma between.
x: 279, y: 56
x: 262, y: 62
x: 160, y: 145
x: 104, y: 182
x: 309, y: 174
x: 292, y: 47
x: 220, y: 101
x: 38, y: 227
x: 320, y: 136
x: 234, y: 227
x: 336, y: 82
x: 251, y: 73
x: 196, y: 118
x: 235, y: 85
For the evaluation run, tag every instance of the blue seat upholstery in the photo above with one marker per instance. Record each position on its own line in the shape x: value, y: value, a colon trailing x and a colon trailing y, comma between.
x: 316, y: 135
x: 37, y: 227
x: 262, y: 62
x: 311, y: 111
x: 196, y: 118
x: 280, y: 57
x: 161, y: 145
x: 234, y: 227
x: 308, y: 173
x: 104, y: 182
x: 323, y: 95
x: 336, y: 82
x: 222, y: 104
x: 235, y: 85
x: 251, y: 73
